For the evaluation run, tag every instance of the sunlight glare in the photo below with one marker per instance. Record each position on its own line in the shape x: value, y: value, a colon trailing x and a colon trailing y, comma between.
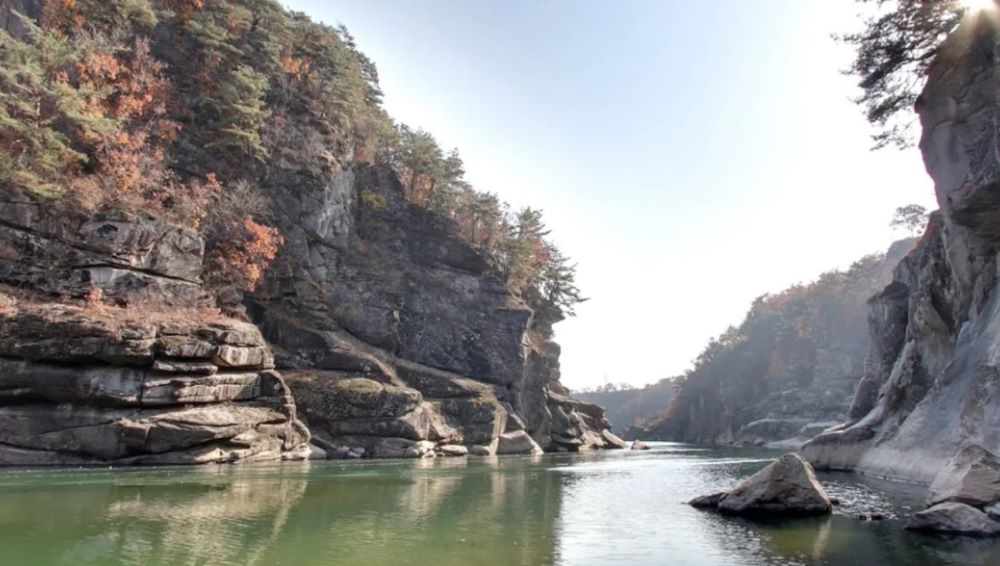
x: 976, y: 5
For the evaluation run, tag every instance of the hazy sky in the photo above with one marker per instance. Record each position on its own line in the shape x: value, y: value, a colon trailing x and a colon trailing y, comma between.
x: 690, y: 155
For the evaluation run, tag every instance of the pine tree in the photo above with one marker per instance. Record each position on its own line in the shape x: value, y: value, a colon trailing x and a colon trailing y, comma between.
x: 893, y: 52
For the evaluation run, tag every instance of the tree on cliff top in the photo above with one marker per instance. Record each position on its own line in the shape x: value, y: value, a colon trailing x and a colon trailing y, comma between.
x: 912, y: 218
x: 893, y: 52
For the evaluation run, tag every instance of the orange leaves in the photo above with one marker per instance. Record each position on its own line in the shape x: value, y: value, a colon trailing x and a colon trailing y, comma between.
x: 61, y: 15
x: 241, y: 259
x: 125, y: 131
x: 125, y: 87
x: 296, y: 67
x: 184, y: 9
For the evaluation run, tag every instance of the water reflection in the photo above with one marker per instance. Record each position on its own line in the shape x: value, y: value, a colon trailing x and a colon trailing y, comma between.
x: 623, y: 508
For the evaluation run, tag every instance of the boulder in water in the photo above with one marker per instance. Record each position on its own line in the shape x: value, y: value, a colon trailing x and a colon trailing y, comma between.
x: 710, y: 501
x: 787, y: 486
x: 956, y: 518
x: 612, y: 439
x: 972, y: 476
x: 639, y: 445
x: 517, y: 442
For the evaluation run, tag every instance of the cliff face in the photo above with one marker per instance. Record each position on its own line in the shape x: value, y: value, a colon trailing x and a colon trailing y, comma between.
x: 163, y: 380
x: 213, y: 136
x: 930, y: 383
x: 788, y: 371
x: 396, y: 337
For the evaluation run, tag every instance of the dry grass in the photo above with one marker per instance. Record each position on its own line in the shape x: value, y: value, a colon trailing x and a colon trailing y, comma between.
x: 14, y: 301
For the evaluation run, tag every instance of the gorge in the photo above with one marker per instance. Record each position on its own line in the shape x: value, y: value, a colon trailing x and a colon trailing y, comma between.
x: 217, y: 246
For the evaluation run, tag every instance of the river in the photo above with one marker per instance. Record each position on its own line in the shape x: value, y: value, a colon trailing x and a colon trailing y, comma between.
x: 605, y: 508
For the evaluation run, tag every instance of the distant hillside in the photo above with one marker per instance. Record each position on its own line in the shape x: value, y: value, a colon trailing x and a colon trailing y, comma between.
x: 790, y: 367
x: 631, y: 407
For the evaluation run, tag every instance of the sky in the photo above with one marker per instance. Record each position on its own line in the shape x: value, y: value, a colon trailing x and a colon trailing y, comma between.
x: 689, y: 155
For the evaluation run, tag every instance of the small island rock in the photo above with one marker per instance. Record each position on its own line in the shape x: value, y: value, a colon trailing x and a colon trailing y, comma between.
x: 787, y: 486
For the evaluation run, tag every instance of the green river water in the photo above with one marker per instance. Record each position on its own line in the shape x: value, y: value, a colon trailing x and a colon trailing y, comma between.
x: 607, y: 508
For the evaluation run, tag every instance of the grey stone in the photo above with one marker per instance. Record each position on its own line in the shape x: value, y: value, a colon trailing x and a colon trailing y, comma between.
x: 787, y: 486
x: 972, y: 476
x: 478, y: 450
x: 611, y: 440
x: 954, y: 518
x: 517, y: 442
x: 710, y: 501
x: 453, y: 450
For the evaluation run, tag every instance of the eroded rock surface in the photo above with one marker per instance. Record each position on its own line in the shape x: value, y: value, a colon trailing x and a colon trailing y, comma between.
x: 394, y: 332
x: 972, y: 476
x: 142, y: 372
x: 787, y: 486
x: 930, y: 384
x: 954, y: 518
x: 61, y: 251
x: 106, y: 385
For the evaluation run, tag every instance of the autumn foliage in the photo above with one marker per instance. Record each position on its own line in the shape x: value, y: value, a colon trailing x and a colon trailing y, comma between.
x: 197, y: 110
x: 240, y: 260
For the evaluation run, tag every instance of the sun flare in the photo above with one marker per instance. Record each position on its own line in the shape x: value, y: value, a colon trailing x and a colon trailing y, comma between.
x: 977, y: 5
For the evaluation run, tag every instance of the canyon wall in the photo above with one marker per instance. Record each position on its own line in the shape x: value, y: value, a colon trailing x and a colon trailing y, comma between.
x: 931, y: 377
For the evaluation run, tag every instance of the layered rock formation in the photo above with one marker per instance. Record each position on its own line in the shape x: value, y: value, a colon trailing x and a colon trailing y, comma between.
x: 155, y: 379
x: 398, y: 340
x: 397, y: 336
x: 931, y: 379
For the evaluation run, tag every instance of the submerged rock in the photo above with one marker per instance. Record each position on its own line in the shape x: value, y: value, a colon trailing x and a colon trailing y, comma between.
x: 972, y: 476
x: 787, y: 486
x: 517, y: 442
x: 613, y: 441
x: 710, y: 501
x: 453, y: 450
x: 955, y: 518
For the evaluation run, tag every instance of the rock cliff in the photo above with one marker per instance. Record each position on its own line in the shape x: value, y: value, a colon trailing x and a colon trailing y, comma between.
x: 152, y: 376
x: 930, y: 382
x: 398, y: 340
x: 214, y: 137
x: 393, y: 336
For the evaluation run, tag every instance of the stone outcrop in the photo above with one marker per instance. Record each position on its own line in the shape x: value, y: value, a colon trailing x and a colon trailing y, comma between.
x: 965, y: 496
x: 930, y: 384
x: 954, y: 518
x: 972, y: 476
x: 399, y: 338
x: 105, y: 385
x: 394, y: 332
x: 141, y: 372
x: 65, y: 252
x: 397, y: 341
x: 787, y: 486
